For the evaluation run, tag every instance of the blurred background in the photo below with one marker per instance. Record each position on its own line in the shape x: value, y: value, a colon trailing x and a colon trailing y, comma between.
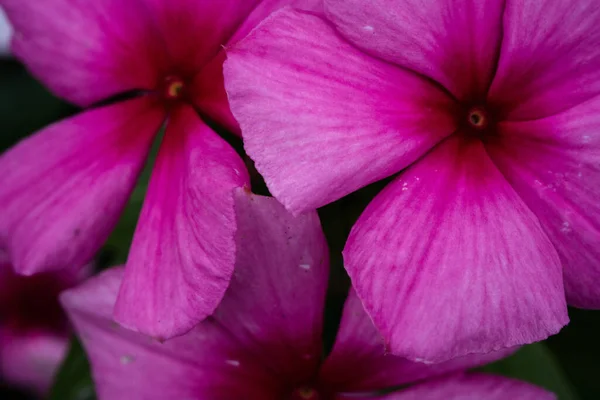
x: 568, y: 363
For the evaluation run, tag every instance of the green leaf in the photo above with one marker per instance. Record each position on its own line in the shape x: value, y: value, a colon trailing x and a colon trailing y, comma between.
x: 74, y: 380
x: 535, y: 363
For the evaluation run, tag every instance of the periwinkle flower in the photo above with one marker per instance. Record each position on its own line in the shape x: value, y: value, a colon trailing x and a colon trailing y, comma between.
x: 264, y: 341
x: 490, y: 113
x: 62, y: 190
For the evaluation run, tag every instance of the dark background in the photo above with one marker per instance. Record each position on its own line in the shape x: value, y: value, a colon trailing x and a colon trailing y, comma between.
x: 568, y: 363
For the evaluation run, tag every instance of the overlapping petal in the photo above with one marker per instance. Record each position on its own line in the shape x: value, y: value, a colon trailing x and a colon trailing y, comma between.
x: 454, y: 42
x: 63, y: 189
x: 183, y: 250
x: 359, y: 361
x: 324, y: 120
x: 265, y: 335
x: 452, y: 224
x: 274, y: 305
x: 206, y: 363
x: 109, y: 47
x: 550, y: 58
x: 554, y: 165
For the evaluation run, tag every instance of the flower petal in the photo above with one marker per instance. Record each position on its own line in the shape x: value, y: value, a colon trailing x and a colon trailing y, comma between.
x: 110, y: 47
x: 278, y: 287
x: 5, y: 33
x: 554, y: 165
x: 454, y: 42
x: 62, y: 190
x: 206, y: 363
x: 30, y: 360
x: 550, y: 58
x: 84, y: 52
x: 208, y: 90
x: 472, y: 387
x: 321, y: 119
x: 451, y: 251
x: 359, y: 363
x: 183, y: 250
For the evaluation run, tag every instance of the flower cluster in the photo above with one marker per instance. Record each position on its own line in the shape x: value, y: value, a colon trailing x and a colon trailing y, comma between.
x: 485, y: 113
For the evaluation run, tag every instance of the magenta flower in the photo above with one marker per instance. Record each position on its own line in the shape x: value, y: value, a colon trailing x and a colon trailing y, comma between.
x: 490, y: 111
x: 264, y: 341
x: 34, y: 330
x: 63, y: 189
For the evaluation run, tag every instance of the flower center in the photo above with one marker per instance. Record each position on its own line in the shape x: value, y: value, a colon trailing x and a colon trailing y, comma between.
x: 305, y: 393
x: 173, y: 88
x: 478, y: 118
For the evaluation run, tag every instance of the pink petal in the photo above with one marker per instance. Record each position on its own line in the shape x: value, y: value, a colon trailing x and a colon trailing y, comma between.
x: 183, y: 250
x: 209, y: 96
x: 206, y: 363
x: 111, y: 47
x: 62, y: 190
x: 554, y: 165
x: 84, y: 52
x: 451, y: 251
x: 550, y: 58
x: 5, y: 33
x: 274, y: 305
x: 453, y: 42
x: 264, y: 337
x: 472, y: 387
x: 359, y: 363
x: 208, y: 91
x: 319, y: 118
x: 31, y: 359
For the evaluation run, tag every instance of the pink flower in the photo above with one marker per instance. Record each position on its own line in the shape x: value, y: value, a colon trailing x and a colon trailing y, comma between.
x: 490, y: 112
x: 264, y: 341
x: 63, y: 189
x: 34, y: 330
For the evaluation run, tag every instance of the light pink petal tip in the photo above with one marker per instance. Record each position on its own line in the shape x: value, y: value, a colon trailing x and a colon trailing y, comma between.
x: 360, y: 363
x: 63, y: 189
x: 31, y: 360
x: 452, y: 225
x: 324, y: 119
x: 5, y: 33
x: 203, y: 364
x: 183, y: 250
x: 472, y: 387
x: 453, y: 42
x: 554, y: 165
x: 550, y: 58
x: 274, y: 305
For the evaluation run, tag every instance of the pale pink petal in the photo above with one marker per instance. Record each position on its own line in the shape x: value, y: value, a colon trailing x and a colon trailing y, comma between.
x: 183, y: 250
x: 554, y: 165
x: 453, y: 42
x: 274, y: 305
x: 472, y: 387
x: 5, y: 34
x: 206, y: 363
x: 359, y: 362
x: 32, y: 358
x: 550, y: 57
x: 63, y: 189
x: 319, y: 118
x: 449, y: 261
x: 85, y: 51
